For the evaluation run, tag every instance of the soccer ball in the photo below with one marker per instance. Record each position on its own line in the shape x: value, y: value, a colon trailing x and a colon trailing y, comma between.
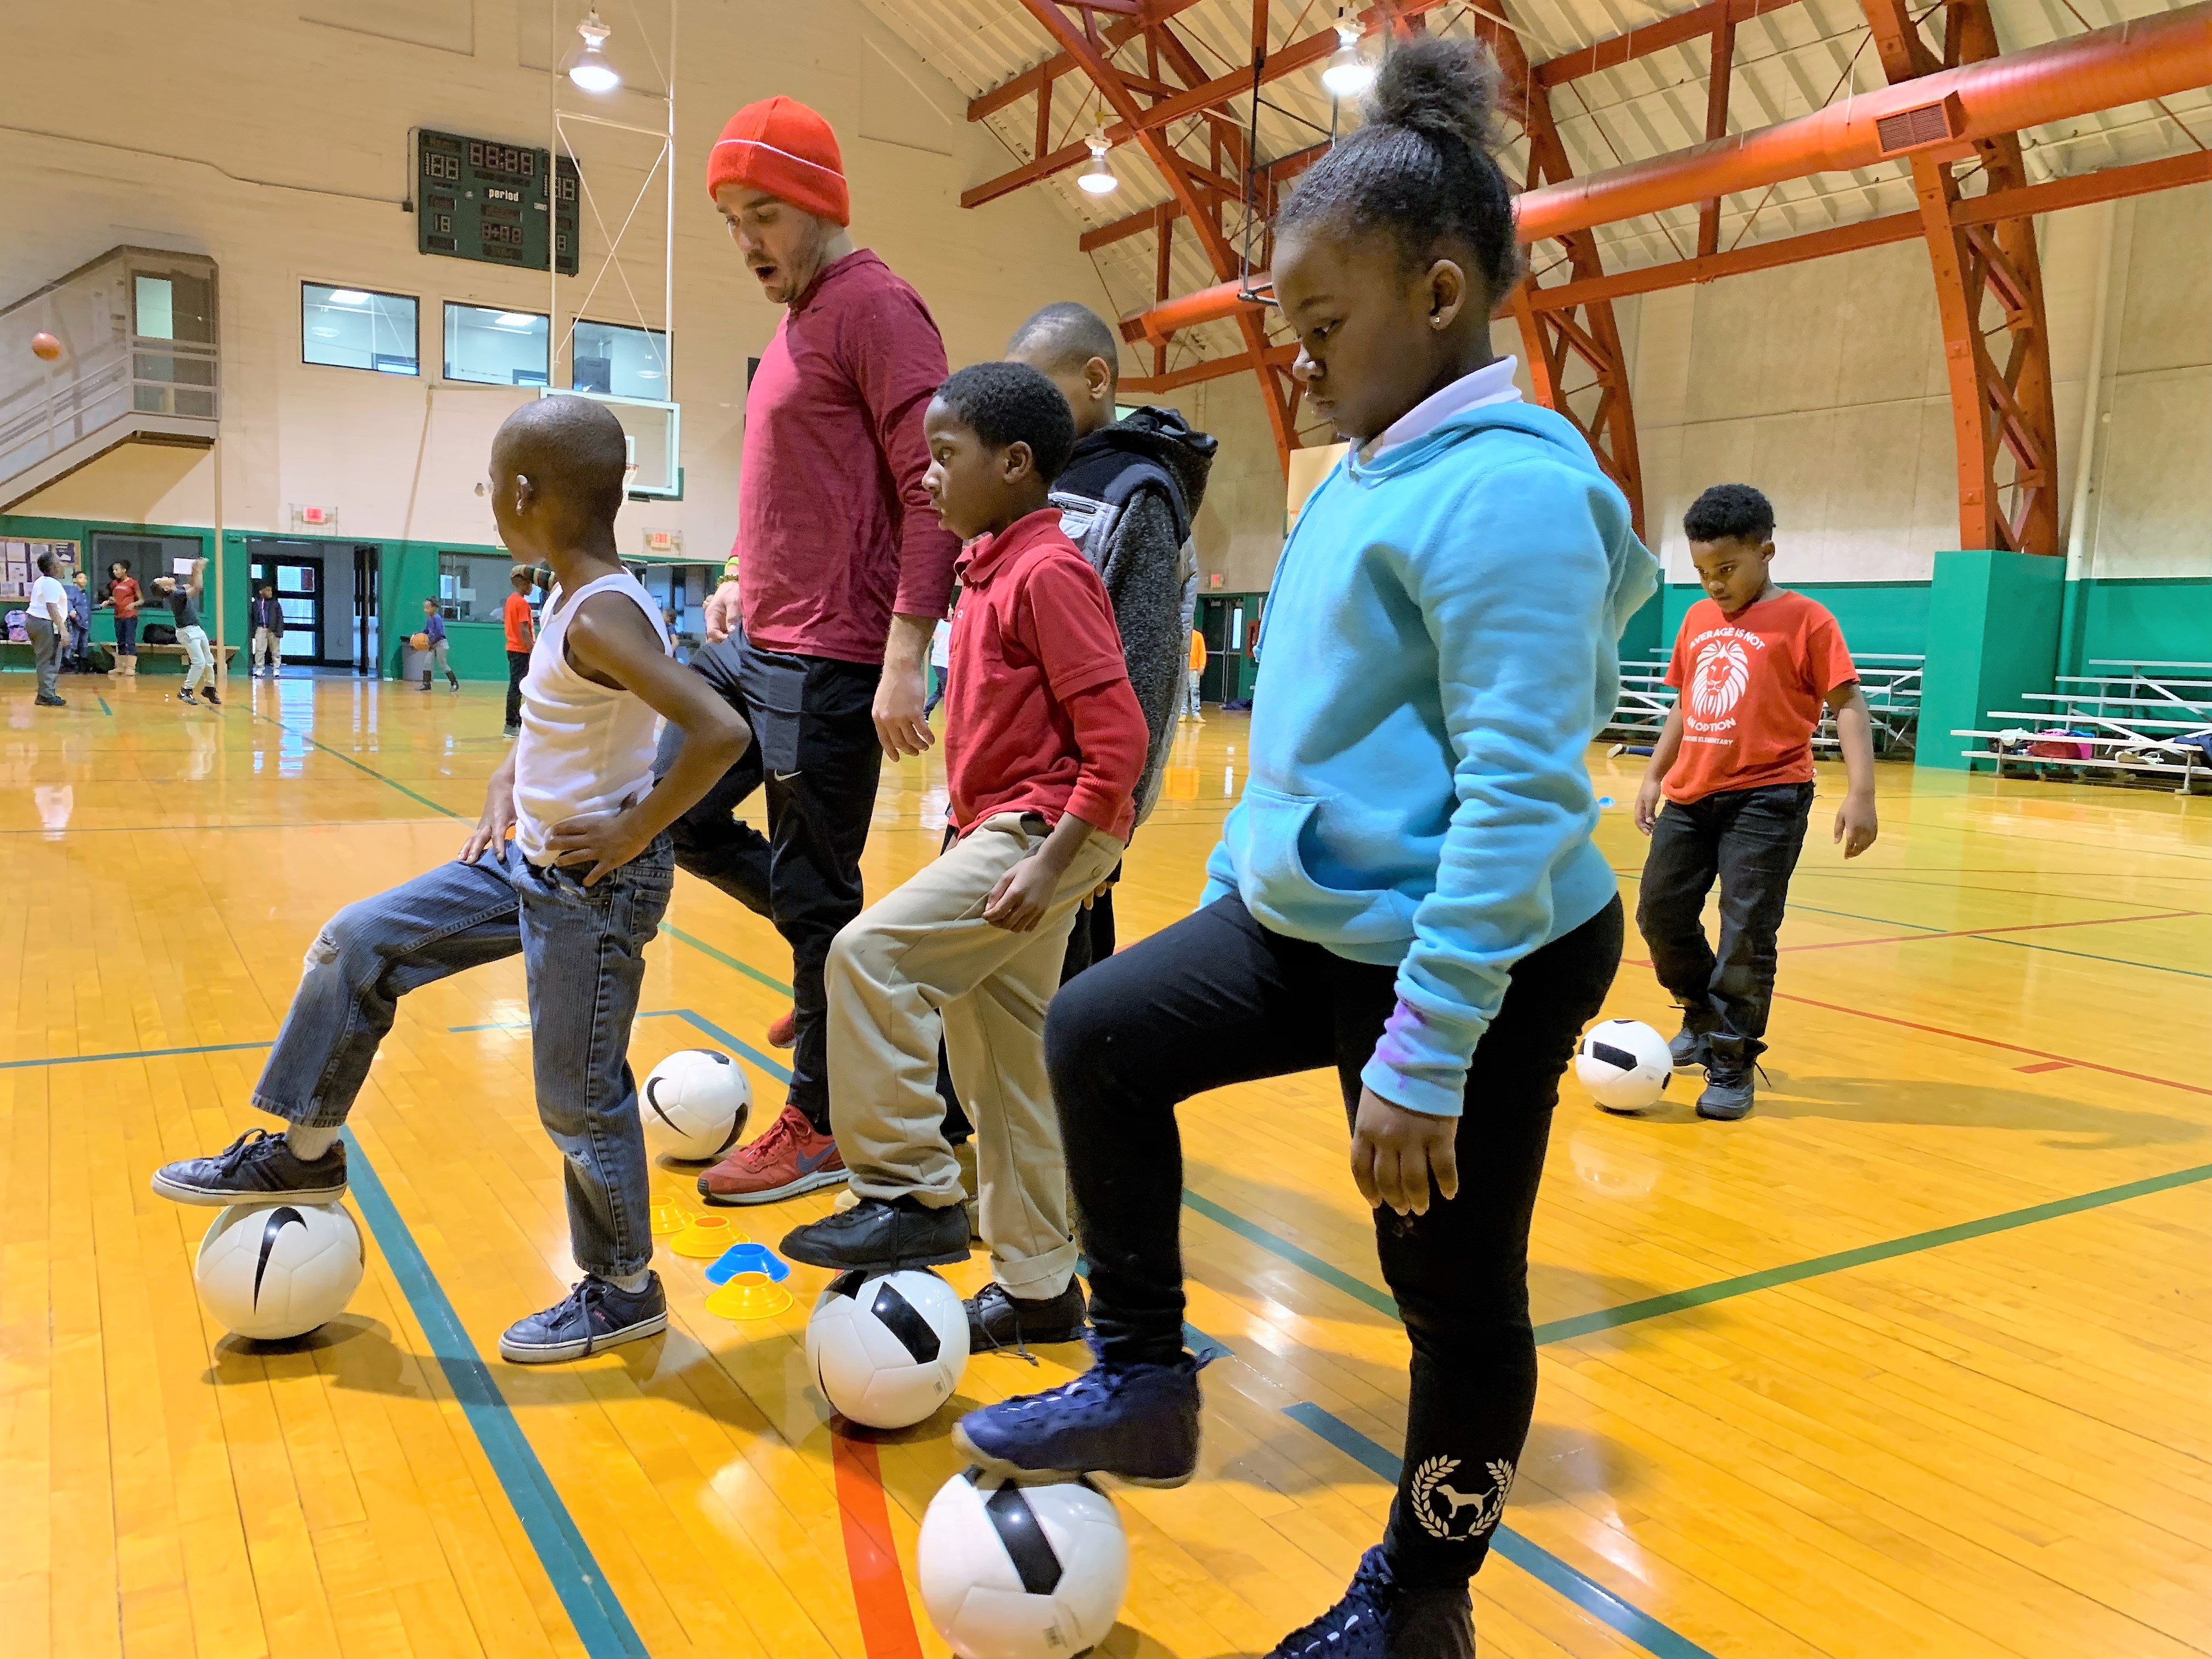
x: 1009, y: 1572
x: 270, y: 1271
x: 888, y: 1348
x: 694, y: 1105
x: 1624, y: 1064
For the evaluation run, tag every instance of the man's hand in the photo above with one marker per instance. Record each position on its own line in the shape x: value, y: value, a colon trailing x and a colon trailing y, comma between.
x: 722, y: 609
x: 604, y: 841
x: 1023, y: 894
x: 1855, y: 828
x: 1395, y: 1153
x: 903, y: 691
x: 1647, y: 802
x: 498, y: 818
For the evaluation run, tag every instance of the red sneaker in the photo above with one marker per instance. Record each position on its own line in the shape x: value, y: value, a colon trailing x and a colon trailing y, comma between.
x: 783, y: 1033
x: 787, y: 1158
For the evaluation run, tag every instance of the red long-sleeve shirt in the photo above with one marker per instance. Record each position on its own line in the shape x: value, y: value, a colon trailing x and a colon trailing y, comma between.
x: 1039, y: 715
x: 834, y: 531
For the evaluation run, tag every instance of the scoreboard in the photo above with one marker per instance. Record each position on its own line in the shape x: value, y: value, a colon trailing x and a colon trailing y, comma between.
x: 505, y: 204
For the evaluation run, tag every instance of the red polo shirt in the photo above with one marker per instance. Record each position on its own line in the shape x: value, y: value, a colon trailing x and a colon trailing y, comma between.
x: 1039, y: 715
x: 834, y: 531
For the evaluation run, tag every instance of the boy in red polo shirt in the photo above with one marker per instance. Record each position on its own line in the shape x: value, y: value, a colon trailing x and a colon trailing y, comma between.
x: 1753, y: 664
x: 1045, y: 743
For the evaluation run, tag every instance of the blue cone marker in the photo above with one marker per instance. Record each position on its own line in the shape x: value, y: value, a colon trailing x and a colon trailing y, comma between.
x: 746, y: 1259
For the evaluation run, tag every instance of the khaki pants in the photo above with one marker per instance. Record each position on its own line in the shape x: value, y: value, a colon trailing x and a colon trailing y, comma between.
x: 923, y: 959
x: 267, y: 643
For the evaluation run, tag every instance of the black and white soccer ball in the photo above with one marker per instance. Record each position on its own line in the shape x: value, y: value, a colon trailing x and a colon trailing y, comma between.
x: 694, y: 1105
x: 1011, y: 1572
x: 888, y: 1349
x: 1625, y: 1064
x: 270, y: 1271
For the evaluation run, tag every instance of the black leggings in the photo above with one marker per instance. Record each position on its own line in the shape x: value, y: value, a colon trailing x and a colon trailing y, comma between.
x: 1217, y: 1000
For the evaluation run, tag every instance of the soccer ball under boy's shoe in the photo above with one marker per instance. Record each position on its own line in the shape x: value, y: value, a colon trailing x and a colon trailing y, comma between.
x: 257, y: 1167
x: 1728, y: 1095
x: 1137, y: 1423
x: 594, y: 1316
x: 881, y: 1236
x: 1381, y: 1618
x: 998, y: 1319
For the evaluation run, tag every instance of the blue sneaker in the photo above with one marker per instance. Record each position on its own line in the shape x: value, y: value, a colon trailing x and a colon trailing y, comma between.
x: 594, y: 1316
x: 1380, y: 1619
x: 1137, y: 1423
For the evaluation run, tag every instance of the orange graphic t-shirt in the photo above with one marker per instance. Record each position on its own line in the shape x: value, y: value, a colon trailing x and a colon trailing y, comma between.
x: 1752, y: 688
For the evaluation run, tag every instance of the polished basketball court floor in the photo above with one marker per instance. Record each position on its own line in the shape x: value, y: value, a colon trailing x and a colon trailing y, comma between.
x: 1915, y: 1361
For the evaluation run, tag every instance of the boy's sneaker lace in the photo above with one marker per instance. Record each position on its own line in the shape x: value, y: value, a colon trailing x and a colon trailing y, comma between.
x: 594, y: 1315
x: 257, y: 1167
x: 1137, y: 1423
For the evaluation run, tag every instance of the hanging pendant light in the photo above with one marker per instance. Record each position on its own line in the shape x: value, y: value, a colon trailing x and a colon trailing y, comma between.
x: 586, y: 63
x: 1347, y: 74
x: 1097, y: 177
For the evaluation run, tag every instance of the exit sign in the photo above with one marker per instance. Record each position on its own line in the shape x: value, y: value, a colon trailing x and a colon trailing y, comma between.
x: 505, y: 204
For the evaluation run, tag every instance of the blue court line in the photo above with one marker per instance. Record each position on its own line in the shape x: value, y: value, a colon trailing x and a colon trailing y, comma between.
x: 601, y: 1623
x: 104, y: 708
x: 130, y: 1054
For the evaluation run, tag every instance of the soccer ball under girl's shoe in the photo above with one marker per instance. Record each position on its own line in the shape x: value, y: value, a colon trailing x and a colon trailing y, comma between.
x: 1008, y: 1571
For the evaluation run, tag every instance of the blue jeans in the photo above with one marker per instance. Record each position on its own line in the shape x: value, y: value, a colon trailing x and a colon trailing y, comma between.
x: 583, y: 950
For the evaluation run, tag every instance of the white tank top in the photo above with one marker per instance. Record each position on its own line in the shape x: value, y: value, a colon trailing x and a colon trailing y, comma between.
x: 585, y: 747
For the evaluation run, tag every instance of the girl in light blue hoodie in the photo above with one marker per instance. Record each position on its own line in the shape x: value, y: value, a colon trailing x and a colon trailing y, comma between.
x: 1408, y: 890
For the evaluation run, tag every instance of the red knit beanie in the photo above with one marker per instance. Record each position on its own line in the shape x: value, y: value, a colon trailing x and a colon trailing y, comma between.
x: 780, y: 146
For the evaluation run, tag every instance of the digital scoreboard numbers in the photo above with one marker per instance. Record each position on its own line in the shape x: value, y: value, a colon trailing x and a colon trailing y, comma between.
x: 505, y: 204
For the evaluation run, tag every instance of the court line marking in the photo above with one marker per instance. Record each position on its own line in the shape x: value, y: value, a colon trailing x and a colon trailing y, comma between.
x: 871, y: 1560
x: 339, y: 754
x: 2091, y: 956
x: 592, y: 1607
x: 130, y: 1054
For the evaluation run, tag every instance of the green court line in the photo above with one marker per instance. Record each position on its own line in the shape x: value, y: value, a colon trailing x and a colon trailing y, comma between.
x: 2091, y: 956
x: 104, y: 708
x: 725, y: 959
x: 339, y: 754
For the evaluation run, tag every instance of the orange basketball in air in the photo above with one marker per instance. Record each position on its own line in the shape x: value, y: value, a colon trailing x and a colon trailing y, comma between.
x: 420, y: 641
x: 45, y: 347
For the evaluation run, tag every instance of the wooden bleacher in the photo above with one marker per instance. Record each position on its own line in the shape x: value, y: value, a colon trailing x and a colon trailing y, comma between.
x: 1891, y: 681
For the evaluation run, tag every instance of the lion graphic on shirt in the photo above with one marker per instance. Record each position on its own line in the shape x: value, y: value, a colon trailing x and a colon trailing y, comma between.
x: 1724, y: 668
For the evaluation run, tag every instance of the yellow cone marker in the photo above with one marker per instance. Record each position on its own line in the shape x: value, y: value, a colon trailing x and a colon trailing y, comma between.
x: 750, y: 1296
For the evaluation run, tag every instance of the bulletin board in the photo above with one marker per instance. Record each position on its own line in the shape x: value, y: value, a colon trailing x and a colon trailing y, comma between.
x: 18, y: 565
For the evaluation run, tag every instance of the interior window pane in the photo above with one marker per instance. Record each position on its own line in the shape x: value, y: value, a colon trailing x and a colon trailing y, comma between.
x: 157, y: 307
x: 352, y: 328
x: 629, y: 362
x: 473, y: 587
x: 494, y: 348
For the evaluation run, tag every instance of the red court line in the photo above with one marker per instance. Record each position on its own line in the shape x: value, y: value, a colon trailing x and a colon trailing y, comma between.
x: 871, y: 1556
x: 1981, y: 933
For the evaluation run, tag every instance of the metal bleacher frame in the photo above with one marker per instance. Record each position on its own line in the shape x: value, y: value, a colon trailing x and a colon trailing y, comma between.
x: 2118, y: 726
x: 1891, y: 681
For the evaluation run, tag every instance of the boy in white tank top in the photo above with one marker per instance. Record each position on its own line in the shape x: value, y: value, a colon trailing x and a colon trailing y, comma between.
x: 577, y: 893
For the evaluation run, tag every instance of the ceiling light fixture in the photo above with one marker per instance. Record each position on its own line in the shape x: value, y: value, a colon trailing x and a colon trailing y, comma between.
x: 348, y: 296
x: 1347, y: 73
x: 1097, y: 177
x: 514, y: 319
x: 586, y: 64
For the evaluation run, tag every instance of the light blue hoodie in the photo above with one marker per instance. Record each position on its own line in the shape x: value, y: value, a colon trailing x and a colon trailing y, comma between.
x: 1440, y: 644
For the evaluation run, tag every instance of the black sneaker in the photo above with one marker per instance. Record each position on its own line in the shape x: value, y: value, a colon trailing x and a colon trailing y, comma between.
x: 880, y: 1237
x: 256, y: 1166
x: 1381, y: 1618
x: 1728, y: 1095
x: 596, y: 1315
x: 186, y: 696
x: 998, y: 1319
x: 209, y: 698
x: 1138, y: 1423
x: 51, y: 703
x: 513, y: 732
x: 1687, y: 1047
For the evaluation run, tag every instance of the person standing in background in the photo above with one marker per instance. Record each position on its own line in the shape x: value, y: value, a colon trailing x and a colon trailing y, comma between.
x: 183, y: 598
x: 46, y: 620
x: 124, y: 596
x: 940, y: 664
x: 845, y: 574
x: 78, y: 592
x: 266, y: 618
x: 434, y: 630
x: 521, y: 634
x: 1197, y: 673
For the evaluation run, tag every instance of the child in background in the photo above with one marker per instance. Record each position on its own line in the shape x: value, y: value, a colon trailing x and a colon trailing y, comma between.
x: 183, y: 598
x: 434, y: 626
x: 80, y: 620
x: 46, y: 620
x: 1044, y: 745
x: 123, y: 596
x: 521, y: 633
x: 1407, y: 893
x: 940, y: 663
x: 266, y: 618
x: 578, y: 893
x: 1196, y: 711
x: 1753, y: 664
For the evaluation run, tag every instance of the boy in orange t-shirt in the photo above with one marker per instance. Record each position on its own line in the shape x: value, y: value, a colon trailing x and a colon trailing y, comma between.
x: 521, y: 634
x: 1754, y: 665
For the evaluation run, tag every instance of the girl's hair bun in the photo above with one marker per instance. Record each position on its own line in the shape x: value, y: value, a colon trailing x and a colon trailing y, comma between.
x: 1440, y: 88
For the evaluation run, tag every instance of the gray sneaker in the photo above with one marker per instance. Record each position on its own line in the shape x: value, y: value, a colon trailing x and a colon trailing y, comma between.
x: 1728, y: 1095
x: 257, y: 1167
x: 1687, y: 1047
x: 596, y: 1315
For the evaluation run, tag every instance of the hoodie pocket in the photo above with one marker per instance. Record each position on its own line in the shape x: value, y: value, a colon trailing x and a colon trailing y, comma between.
x: 1279, y: 885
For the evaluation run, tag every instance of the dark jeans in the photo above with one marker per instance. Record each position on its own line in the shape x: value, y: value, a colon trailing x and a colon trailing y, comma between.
x: 816, y: 756
x: 517, y: 665
x: 1749, y: 839
x: 126, y: 636
x: 1217, y: 1000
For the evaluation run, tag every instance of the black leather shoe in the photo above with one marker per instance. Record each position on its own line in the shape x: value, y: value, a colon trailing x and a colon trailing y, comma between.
x: 998, y: 1319
x: 880, y: 1237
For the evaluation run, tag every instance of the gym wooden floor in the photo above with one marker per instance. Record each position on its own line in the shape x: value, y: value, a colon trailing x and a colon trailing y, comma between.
x: 1914, y: 1361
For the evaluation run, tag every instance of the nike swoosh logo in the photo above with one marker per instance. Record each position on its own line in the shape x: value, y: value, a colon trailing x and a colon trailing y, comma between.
x: 784, y: 777
x: 809, y: 1165
x: 282, y: 1216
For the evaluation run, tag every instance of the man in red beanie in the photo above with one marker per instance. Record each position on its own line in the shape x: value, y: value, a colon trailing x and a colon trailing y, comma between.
x: 845, y: 572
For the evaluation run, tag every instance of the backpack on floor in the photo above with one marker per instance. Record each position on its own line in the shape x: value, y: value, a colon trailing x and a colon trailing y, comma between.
x: 158, y: 633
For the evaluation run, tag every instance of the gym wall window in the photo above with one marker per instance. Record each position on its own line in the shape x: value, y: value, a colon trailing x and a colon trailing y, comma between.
x: 492, y: 347
x: 473, y: 587
x: 356, y: 328
x: 625, y: 363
